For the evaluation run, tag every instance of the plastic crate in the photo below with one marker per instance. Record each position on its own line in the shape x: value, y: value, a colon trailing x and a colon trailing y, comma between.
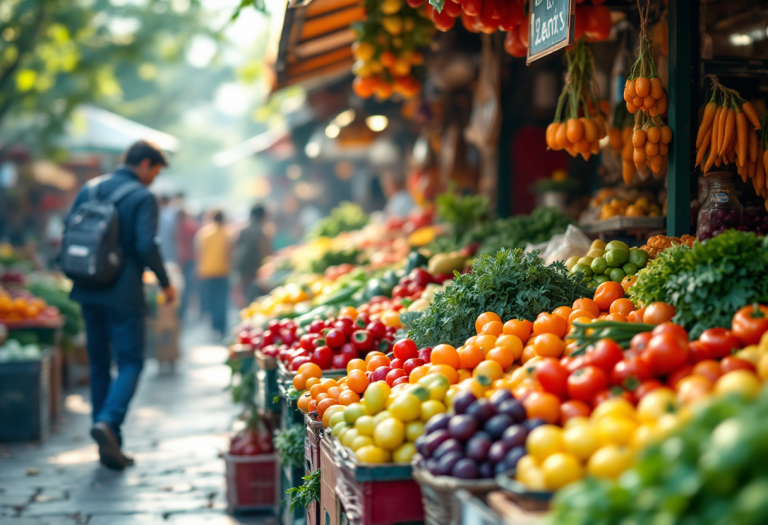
x: 25, y: 399
x: 291, y: 477
x: 474, y: 511
x: 375, y: 494
x: 252, y: 482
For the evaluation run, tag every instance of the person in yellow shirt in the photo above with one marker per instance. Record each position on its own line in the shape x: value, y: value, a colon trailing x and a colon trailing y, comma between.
x: 214, y: 250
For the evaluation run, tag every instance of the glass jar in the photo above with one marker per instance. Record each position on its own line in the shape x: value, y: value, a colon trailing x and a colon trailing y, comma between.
x: 721, y: 210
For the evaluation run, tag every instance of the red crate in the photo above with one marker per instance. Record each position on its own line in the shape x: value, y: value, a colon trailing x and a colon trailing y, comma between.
x: 252, y: 482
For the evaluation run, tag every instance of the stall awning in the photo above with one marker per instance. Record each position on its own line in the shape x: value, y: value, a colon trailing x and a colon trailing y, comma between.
x: 311, y: 43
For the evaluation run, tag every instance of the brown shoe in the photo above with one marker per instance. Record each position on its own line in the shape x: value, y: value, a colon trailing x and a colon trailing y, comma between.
x: 109, y: 449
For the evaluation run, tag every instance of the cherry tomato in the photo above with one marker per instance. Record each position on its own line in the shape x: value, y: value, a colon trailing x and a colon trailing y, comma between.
x: 709, y: 369
x: 406, y: 349
x: 598, y: 24
x: 630, y: 372
x: 698, y: 352
x: 552, y: 376
x: 573, y: 408
x: 574, y: 363
x: 665, y: 353
x: 322, y: 357
x: 750, y: 323
x: 647, y: 386
x: 720, y: 342
x: 731, y: 363
x: 671, y: 328
x: 605, y: 354
x: 585, y: 383
x: 681, y: 373
x: 640, y: 341
x: 657, y: 313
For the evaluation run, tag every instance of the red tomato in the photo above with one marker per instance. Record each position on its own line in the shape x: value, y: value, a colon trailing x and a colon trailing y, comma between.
x: 552, y: 376
x: 677, y: 375
x: 630, y: 372
x: 405, y: 350
x: 574, y: 408
x: 671, y: 328
x: 605, y: 354
x: 732, y: 363
x: 665, y: 353
x: 510, y: 14
x: 598, y: 24
x: 614, y: 392
x: 442, y: 20
x: 585, y: 383
x: 750, y: 323
x: 580, y: 22
x: 709, y: 369
x: 472, y: 7
x: 720, y: 342
x: 513, y: 45
x: 640, y: 341
x: 573, y: 363
x: 646, y: 387
x: 698, y: 352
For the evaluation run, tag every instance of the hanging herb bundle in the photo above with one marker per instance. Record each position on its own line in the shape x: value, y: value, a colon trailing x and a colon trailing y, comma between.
x: 580, y: 122
x: 728, y: 134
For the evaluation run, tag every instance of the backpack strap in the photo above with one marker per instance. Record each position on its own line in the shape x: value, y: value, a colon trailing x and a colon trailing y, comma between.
x: 93, y: 186
x: 123, y: 191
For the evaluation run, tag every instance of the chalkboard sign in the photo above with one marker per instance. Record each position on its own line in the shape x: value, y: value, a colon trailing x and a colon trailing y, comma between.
x: 550, y: 27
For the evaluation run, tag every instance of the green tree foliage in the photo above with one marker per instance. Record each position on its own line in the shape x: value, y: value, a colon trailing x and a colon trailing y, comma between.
x: 55, y: 55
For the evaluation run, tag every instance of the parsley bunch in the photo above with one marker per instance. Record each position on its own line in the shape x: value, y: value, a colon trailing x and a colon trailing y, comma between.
x: 513, y: 284
x: 305, y: 494
x: 290, y: 444
x: 709, y: 282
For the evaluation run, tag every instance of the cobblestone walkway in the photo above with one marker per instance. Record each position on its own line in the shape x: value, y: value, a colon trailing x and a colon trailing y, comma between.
x: 177, y: 425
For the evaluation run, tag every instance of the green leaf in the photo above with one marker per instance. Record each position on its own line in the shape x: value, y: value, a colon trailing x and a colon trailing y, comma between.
x: 437, y: 4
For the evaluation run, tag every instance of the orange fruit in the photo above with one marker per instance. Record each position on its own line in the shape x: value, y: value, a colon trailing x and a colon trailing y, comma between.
x: 446, y: 355
x: 563, y: 311
x: 550, y: 324
x: 490, y: 369
x: 373, y: 354
x: 494, y: 328
x: 356, y: 364
x: 357, y: 381
x: 607, y: 293
x: 528, y: 354
x: 334, y: 392
x: 576, y: 314
x: 317, y: 389
x: 512, y: 342
x: 502, y: 355
x: 622, y: 306
x: 299, y: 382
x: 548, y: 345
x: 542, y: 405
x: 471, y: 356
x: 485, y: 342
x: 377, y: 361
x: 310, y: 370
x: 311, y: 381
x: 446, y: 370
x: 303, y: 402
x: 521, y: 329
x: 484, y: 319
x: 587, y: 304
x: 348, y: 397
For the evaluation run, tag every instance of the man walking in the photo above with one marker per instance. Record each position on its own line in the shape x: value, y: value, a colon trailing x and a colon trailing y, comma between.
x: 214, y: 248
x: 251, y: 248
x: 114, y: 312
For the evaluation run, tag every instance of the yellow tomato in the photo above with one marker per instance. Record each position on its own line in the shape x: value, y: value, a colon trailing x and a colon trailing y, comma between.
x: 372, y: 454
x: 655, y: 404
x: 742, y: 382
x: 644, y: 436
x: 430, y: 408
x: 561, y: 469
x: 349, y: 437
x: 762, y: 367
x: 615, y: 407
x: 417, y: 373
x: 577, y: 422
x: 544, y: 441
x: 518, y: 375
x: 389, y: 434
x: 360, y: 441
x: 490, y: 369
x: 365, y: 426
x: 405, y: 407
x: 616, y: 430
x: 751, y: 353
x: 413, y: 430
x: 581, y: 441
x: 404, y: 453
x: 610, y: 461
x: 381, y: 416
x: 375, y: 398
x: 391, y: 319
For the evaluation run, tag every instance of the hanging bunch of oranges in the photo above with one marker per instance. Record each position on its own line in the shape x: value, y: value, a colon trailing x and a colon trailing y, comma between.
x: 580, y: 118
x: 387, y: 49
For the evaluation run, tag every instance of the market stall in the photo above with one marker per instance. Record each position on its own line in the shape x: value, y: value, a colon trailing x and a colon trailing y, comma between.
x: 522, y: 369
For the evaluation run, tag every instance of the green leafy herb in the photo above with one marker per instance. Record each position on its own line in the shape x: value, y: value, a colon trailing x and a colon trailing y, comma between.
x: 513, y: 284
x: 708, y: 283
x: 290, y: 444
x: 309, y: 491
x: 345, y: 217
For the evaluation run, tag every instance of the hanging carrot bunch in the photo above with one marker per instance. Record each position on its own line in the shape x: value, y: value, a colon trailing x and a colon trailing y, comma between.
x: 579, y: 120
x: 728, y: 134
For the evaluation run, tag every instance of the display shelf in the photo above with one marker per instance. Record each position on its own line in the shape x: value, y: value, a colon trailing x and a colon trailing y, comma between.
x: 622, y: 224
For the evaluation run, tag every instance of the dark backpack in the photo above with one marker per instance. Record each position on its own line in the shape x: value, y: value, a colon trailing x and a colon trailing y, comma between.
x: 91, y: 254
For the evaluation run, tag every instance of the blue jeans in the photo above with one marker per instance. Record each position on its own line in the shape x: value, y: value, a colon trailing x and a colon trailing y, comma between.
x: 190, y: 287
x: 214, y: 294
x: 115, y: 330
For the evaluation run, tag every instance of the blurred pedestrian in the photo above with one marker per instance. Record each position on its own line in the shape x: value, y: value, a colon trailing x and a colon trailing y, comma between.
x: 399, y: 202
x: 251, y: 248
x: 186, y: 229
x: 166, y: 230
x: 114, y: 313
x: 214, y: 250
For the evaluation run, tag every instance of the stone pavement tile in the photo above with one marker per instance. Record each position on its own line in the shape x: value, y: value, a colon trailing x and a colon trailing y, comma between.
x: 213, y: 518
x: 132, y: 519
x: 53, y: 520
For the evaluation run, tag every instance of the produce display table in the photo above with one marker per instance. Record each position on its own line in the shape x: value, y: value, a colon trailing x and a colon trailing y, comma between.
x: 252, y: 482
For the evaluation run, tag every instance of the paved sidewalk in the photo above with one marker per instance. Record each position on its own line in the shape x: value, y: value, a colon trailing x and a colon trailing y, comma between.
x: 176, y: 427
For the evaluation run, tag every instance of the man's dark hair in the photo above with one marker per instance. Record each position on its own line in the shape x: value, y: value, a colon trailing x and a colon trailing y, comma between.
x: 258, y: 212
x: 217, y: 216
x: 145, y: 150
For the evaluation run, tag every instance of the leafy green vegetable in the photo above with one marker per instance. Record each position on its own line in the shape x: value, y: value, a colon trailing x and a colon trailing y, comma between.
x: 517, y: 231
x: 331, y: 258
x: 345, y: 217
x: 708, y: 283
x: 52, y: 294
x: 712, y: 471
x: 308, y: 492
x: 290, y: 444
x: 513, y: 284
x: 459, y: 211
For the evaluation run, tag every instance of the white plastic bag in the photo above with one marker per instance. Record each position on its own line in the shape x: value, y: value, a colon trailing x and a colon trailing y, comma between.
x: 562, y: 246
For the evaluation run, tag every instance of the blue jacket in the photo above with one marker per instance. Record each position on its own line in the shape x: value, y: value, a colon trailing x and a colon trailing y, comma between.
x: 138, y: 231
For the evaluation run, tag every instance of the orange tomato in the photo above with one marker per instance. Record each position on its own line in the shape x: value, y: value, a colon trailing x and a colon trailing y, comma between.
x: 484, y: 319
x: 521, y: 329
x: 573, y: 408
x: 550, y: 324
x: 528, y: 354
x: 312, y: 381
x: 317, y: 389
x: 31, y: 312
x: 587, y: 304
x: 485, y: 342
x: 616, y: 317
x: 329, y: 382
x: 608, y: 292
x: 512, y: 342
x: 502, y: 355
x: 334, y: 392
x: 543, y: 405
x: 463, y: 374
x: 417, y: 373
x: 446, y: 370
x: 310, y: 370
x: 657, y: 313
x: 321, y: 397
x: 622, y: 306
x: 636, y: 316
x: 563, y: 311
x: 548, y: 345
x: 628, y: 282
x: 391, y: 319
x: 299, y: 382
x: 376, y: 362
x: 303, y: 401
x: 490, y: 369
x: 446, y: 355
x: 356, y: 364
x: 348, y: 397
x: 576, y: 314
x: 348, y: 311
x: 373, y: 354
x: 471, y: 356
x: 357, y: 381
x: 471, y: 340
x: 494, y: 328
